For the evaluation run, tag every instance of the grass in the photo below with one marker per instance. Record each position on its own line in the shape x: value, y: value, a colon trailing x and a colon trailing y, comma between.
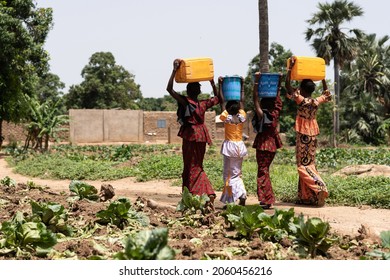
x: 152, y: 162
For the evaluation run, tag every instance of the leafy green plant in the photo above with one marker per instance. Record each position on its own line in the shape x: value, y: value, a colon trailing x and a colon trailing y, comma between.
x: 7, y: 181
x: 20, y: 235
x: 147, y: 245
x: 82, y: 190
x: 385, y: 243
x: 277, y: 226
x: 312, y: 235
x: 191, y: 203
x: 245, y: 219
x: 385, y: 238
x: 121, y: 214
x: 53, y: 215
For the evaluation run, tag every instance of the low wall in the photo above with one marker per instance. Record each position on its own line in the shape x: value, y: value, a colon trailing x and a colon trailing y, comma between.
x: 117, y: 126
x: 99, y: 126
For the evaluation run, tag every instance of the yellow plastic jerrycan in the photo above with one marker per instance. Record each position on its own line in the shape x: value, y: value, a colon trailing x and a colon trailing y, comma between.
x: 307, y: 67
x: 195, y: 70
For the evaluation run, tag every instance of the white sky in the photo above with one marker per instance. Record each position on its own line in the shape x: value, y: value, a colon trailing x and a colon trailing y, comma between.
x: 145, y: 36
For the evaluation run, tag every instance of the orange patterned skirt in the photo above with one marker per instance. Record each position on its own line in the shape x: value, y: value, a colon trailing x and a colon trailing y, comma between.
x: 310, y: 182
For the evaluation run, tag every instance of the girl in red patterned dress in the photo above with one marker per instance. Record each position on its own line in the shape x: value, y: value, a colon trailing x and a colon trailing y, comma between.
x: 311, y: 188
x: 267, y: 141
x: 195, y: 135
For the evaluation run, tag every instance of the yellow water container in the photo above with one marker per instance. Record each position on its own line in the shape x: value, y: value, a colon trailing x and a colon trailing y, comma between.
x: 195, y: 70
x: 307, y: 67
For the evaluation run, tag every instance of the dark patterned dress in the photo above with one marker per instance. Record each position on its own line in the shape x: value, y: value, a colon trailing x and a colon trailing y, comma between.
x: 195, y: 137
x: 266, y: 143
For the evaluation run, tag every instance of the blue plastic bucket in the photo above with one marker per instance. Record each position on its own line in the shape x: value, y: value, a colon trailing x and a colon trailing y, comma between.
x: 268, y: 85
x: 231, y: 88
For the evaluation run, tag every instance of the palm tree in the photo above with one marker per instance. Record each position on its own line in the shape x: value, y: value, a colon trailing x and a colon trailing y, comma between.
x: 331, y: 43
x: 369, y: 75
x: 263, y: 36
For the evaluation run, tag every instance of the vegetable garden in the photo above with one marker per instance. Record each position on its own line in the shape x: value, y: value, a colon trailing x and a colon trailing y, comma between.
x: 83, y: 222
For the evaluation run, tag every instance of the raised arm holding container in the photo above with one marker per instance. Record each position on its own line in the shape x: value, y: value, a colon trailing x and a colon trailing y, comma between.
x: 312, y: 189
x: 195, y: 134
x: 233, y: 148
x: 267, y: 141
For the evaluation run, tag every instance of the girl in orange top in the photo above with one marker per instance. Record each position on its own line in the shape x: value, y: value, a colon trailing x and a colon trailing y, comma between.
x: 233, y: 148
x: 311, y: 188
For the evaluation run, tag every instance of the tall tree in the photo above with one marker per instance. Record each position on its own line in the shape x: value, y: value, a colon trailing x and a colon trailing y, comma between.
x: 263, y: 36
x: 367, y: 84
x: 106, y: 85
x: 23, y: 31
x: 331, y: 43
x: 49, y: 88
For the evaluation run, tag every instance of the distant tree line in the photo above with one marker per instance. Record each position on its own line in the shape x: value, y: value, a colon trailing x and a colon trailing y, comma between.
x: 30, y: 93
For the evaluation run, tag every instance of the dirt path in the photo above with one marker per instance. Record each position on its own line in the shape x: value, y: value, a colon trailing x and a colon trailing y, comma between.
x: 345, y: 220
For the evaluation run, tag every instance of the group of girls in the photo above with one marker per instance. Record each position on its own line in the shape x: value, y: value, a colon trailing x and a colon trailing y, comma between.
x: 311, y: 188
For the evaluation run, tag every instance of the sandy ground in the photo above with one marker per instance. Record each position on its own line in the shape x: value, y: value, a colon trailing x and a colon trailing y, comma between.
x: 345, y: 220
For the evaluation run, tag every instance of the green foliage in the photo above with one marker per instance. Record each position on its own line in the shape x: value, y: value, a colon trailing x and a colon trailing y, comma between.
x: 192, y: 203
x: 147, y: 245
x: 244, y: 219
x: 385, y: 243
x: 44, y: 122
x: 81, y: 190
x: 106, y: 85
x: 277, y: 226
x: 53, y: 215
x: 7, y: 181
x: 338, y: 157
x: 23, y: 32
x: 49, y: 89
x: 365, y: 100
x: 378, y: 254
x: 354, y: 191
x: 121, y: 214
x: 19, y: 235
x: 312, y: 235
x: 158, y: 167
x: 166, y: 103
x: 57, y: 167
x: 385, y: 239
x: 151, y: 162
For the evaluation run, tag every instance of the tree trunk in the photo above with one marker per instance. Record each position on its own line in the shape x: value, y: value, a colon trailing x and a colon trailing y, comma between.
x: 336, y: 115
x: 263, y: 36
x: 1, y: 133
x: 46, y: 146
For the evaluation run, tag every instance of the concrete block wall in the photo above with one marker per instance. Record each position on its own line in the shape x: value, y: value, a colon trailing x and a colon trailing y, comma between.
x: 100, y: 126
x: 117, y: 126
x: 156, y: 132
